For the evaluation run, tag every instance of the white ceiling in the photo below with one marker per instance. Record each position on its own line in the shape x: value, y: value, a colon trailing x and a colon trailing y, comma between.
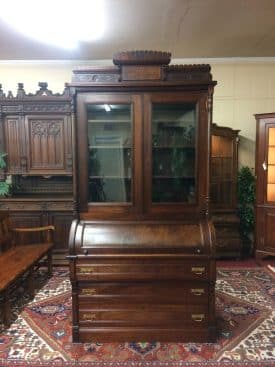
x: 186, y: 28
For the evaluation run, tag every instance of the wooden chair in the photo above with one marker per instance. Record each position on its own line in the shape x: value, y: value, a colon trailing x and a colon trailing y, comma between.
x: 21, y: 259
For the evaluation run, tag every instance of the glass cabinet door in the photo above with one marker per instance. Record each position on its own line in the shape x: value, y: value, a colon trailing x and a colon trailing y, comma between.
x: 173, y: 152
x: 110, y: 134
x: 270, y: 165
x: 176, y: 147
x: 221, y: 184
x: 108, y: 165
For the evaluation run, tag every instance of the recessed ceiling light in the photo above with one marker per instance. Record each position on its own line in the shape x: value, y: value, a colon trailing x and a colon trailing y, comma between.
x: 57, y: 22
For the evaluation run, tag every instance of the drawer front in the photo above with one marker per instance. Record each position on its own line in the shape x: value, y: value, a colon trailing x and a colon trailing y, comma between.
x: 36, y: 205
x: 158, y: 293
x: 144, y: 315
x: 142, y: 270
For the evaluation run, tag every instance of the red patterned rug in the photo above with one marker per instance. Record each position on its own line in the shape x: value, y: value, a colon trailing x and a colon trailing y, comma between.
x: 41, y: 334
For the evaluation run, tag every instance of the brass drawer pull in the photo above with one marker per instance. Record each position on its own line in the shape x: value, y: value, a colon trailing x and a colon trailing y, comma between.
x: 199, y: 270
x: 86, y: 270
x: 88, y: 291
x: 89, y: 316
x: 197, y: 317
x: 197, y: 291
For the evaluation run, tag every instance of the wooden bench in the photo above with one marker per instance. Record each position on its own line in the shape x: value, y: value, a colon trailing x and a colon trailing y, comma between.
x: 21, y: 260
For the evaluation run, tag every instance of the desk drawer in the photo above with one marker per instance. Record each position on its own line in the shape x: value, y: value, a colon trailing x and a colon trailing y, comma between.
x: 104, y: 270
x: 144, y: 315
x: 155, y: 292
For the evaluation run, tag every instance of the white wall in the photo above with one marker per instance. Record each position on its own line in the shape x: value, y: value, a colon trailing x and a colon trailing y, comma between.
x: 30, y: 73
x: 245, y: 87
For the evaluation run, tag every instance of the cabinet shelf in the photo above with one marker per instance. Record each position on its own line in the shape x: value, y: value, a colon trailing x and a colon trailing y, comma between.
x: 174, y: 147
x: 221, y: 157
x: 111, y: 177
x: 173, y: 123
x: 174, y: 177
x: 108, y: 147
x: 110, y: 121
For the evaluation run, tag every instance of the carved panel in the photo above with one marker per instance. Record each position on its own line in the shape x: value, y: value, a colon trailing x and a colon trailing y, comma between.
x: 142, y: 57
x: 13, y: 144
x: 94, y: 78
x: 42, y: 92
x: 12, y: 108
x: 47, y: 108
x: 200, y: 72
x: 41, y: 128
x: 141, y: 72
x: 46, y: 145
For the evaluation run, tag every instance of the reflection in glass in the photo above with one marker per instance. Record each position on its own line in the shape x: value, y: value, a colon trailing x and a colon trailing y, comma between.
x: 221, y: 170
x: 271, y: 165
x: 110, y: 152
x: 271, y: 174
x: 173, y: 152
x: 271, y: 155
x: 271, y: 136
x: 271, y: 192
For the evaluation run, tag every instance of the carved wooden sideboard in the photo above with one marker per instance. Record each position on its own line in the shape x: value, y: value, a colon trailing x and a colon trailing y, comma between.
x: 142, y: 255
x: 37, y: 134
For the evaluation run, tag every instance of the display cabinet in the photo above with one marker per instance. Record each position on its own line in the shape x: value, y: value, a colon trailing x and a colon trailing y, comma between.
x: 143, y: 149
x: 223, y: 190
x: 265, y: 185
x: 125, y: 168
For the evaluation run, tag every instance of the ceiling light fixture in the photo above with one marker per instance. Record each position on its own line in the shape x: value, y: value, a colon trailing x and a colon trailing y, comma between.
x: 61, y: 23
x: 107, y: 107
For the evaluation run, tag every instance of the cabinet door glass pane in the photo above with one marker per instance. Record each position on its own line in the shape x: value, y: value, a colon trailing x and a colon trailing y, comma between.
x: 221, y: 171
x: 173, y: 152
x: 271, y: 165
x: 110, y: 152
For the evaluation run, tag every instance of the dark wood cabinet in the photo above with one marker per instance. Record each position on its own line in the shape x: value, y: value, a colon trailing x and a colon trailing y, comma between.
x: 38, y: 133
x: 38, y: 139
x: 265, y: 185
x: 223, y: 190
x: 143, y: 150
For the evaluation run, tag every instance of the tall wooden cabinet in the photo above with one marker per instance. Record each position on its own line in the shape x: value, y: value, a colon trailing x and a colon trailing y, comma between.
x: 223, y: 190
x: 37, y: 135
x: 142, y: 254
x: 265, y: 185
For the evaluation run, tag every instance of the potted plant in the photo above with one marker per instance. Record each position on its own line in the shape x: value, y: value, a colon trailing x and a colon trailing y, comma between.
x: 4, y: 182
x: 246, y: 185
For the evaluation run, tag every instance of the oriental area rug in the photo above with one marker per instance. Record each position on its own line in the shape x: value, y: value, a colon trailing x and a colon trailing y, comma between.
x: 40, y: 335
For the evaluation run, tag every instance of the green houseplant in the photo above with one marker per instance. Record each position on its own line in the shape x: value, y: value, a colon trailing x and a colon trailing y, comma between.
x: 4, y: 183
x: 246, y: 185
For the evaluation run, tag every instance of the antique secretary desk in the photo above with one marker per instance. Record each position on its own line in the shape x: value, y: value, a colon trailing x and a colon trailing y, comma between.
x: 142, y: 252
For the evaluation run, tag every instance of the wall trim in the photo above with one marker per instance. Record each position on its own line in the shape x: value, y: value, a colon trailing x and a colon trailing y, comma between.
x: 224, y: 60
